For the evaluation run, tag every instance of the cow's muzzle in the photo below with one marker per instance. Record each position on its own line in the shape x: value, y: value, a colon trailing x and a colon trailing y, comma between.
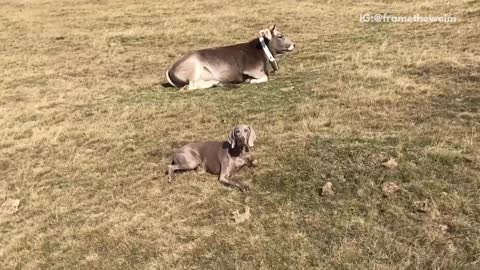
x: 291, y: 47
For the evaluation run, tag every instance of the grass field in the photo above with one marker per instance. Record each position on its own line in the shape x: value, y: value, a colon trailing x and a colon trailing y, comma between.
x: 87, y: 130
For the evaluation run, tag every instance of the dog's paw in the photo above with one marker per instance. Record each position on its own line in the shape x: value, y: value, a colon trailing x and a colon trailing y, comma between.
x: 244, y: 188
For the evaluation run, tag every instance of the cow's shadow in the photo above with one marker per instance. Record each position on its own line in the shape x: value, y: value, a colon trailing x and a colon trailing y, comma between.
x: 227, y: 86
x: 166, y: 85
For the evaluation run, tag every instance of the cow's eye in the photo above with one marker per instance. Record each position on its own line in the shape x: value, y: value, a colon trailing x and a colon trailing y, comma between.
x: 280, y: 36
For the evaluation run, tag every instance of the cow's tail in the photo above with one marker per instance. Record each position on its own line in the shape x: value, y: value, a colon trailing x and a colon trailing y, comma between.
x: 172, y: 163
x: 172, y: 80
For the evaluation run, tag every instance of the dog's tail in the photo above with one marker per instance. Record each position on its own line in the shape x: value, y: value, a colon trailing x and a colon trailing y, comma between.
x: 172, y: 80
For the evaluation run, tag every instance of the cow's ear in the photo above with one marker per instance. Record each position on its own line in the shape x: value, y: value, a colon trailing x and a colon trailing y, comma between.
x: 265, y: 33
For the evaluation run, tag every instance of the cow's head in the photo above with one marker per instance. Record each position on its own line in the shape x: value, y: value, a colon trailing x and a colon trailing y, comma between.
x: 277, y: 41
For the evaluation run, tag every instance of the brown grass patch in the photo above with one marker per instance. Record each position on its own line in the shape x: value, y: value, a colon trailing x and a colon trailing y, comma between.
x: 87, y: 130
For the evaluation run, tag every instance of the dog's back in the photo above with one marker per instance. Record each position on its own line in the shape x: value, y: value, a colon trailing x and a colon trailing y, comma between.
x: 206, y: 154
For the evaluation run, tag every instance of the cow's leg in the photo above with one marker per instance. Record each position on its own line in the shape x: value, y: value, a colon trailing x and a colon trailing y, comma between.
x: 255, y: 76
x: 200, y: 84
x: 202, y: 78
x: 259, y: 80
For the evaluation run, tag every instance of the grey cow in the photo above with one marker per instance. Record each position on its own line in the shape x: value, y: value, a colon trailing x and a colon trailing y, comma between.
x: 219, y: 158
x: 244, y: 62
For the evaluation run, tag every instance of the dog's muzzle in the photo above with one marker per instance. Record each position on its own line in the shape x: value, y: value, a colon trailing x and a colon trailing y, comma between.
x: 242, y: 140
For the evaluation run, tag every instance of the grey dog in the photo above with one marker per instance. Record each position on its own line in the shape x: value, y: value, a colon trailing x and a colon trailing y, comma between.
x: 219, y: 158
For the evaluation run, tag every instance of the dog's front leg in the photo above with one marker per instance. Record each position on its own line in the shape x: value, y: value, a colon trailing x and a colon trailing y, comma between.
x: 251, y: 162
x: 223, y: 178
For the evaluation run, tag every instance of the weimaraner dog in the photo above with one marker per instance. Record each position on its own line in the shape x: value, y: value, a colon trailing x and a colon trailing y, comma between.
x: 219, y: 158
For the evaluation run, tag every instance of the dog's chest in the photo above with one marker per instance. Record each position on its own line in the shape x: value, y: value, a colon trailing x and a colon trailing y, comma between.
x: 238, y: 162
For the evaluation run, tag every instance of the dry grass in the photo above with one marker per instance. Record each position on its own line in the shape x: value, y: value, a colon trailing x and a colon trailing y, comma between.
x: 87, y: 130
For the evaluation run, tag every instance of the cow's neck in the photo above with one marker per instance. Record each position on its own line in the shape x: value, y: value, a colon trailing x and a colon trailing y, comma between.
x: 258, y: 46
x: 266, y: 49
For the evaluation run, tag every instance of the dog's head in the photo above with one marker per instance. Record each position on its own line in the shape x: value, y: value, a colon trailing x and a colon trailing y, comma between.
x: 277, y: 41
x: 242, y: 135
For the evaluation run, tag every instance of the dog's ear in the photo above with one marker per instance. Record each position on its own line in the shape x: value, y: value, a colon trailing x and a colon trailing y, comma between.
x: 252, y: 137
x: 231, y: 138
x: 265, y: 33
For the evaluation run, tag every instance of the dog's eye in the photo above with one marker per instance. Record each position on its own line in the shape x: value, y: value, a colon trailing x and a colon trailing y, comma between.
x: 245, y: 130
x: 237, y: 131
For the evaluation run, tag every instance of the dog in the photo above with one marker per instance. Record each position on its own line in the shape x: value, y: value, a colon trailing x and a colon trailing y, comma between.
x: 244, y: 62
x: 218, y: 158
